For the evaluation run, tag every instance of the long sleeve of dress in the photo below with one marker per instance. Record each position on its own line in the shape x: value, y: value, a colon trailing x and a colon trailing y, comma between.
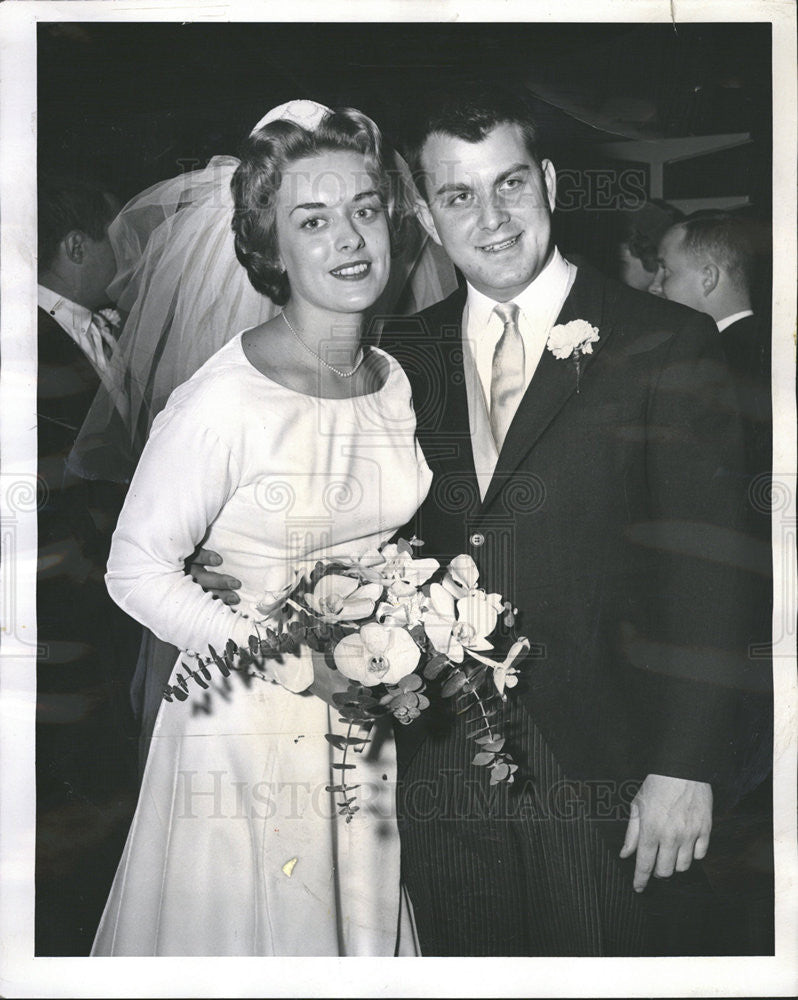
x: 185, y: 477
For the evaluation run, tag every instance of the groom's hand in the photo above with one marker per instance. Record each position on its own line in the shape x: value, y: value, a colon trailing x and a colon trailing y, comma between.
x: 669, y: 825
x: 222, y: 587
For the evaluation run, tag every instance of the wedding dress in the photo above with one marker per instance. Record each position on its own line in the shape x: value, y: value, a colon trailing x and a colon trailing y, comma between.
x: 236, y: 848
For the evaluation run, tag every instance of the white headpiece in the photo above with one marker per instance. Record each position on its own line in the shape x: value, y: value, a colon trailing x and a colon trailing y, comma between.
x: 307, y: 114
x: 186, y: 295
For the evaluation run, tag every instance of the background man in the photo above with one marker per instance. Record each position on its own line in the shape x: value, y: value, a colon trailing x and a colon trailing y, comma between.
x: 602, y: 499
x: 84, y: 737
x: 708, y: 262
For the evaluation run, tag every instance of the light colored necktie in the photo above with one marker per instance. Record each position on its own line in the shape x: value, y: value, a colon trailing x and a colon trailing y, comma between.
x: 101, y: 340
x: 507, y: 375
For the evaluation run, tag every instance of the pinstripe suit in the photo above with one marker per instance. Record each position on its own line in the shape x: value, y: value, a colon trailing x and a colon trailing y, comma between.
x: 611, y: 521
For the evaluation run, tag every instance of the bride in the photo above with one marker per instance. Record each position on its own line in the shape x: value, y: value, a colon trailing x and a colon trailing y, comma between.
x: 292, y: 443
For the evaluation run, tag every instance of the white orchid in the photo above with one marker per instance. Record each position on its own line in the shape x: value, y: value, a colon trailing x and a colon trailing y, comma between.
x: 405, y: 610
x: 505, y: 674
x: 456, y: 626
x: 271, y: 601
x: 295, y: 673
x: 377, y: 654
x: 461, y: 576
x: 338, y: 598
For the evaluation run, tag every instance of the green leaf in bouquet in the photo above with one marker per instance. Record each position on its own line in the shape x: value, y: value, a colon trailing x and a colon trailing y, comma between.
x: 499, y: 772
x: 416, y: 542
x: 418, y: 635
x: 411, y: 682
x: 203, y: 669
x: 483, y: 757
x: 315, y: 642
x: 352, y: 713
x: 339, y: 742
x: 220, y: 663
x: 230, y: 651
x: 181, y: 680
x: 404, y: 547
x: 167, y: 693
x: 288, y: 643
x: 453, y: 684
x: 434, y: 666
x: 196, y: 676
x: 254, y: 645
x: 179, y: 693
x: 491, y: 744
x: 342, y: 742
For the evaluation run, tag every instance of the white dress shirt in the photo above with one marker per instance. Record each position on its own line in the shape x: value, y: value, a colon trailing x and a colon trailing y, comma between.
x: 89, y: 332
x: 728, y: 320
x: 539, y: 305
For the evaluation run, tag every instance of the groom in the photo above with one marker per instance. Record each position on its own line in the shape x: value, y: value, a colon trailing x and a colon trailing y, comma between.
x: 602, y: 498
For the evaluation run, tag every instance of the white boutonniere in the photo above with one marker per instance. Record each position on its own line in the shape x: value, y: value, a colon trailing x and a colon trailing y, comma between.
x: 112, y: 317
x: 573, y: 340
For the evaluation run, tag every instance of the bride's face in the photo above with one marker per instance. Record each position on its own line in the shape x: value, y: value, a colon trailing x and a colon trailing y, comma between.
x: 332, y: 232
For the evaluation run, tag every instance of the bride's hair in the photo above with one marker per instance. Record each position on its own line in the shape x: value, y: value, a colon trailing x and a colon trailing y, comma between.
x: 266, y: 154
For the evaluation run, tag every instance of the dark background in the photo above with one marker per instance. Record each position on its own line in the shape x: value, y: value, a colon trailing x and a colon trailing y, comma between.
x: 131, y: 104
x: 134, y: 103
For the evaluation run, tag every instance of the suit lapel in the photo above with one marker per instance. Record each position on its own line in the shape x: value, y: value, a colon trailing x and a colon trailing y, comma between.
x: 443, y: 423
x: 554, y: 381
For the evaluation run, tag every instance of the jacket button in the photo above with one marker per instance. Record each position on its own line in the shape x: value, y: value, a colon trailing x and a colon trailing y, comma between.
x: 477, y: 539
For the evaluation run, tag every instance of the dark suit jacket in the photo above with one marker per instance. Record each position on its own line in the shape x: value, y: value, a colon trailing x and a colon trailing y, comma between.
x: 747, y: 347
x: 78, y: 623
x: 611, y: 523
x: 66, y: 386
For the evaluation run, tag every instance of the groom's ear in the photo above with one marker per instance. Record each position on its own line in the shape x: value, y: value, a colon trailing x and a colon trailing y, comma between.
x: 424, y: 216
x: 550, y: 179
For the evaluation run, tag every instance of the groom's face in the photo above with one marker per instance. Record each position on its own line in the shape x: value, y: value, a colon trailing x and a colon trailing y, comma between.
x: 489, y: 205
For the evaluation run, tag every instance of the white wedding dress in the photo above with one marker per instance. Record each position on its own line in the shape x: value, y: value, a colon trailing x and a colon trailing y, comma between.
x: 235, y: 847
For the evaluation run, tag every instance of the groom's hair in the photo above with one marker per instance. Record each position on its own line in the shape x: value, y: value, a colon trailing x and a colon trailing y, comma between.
x: 470, y: 110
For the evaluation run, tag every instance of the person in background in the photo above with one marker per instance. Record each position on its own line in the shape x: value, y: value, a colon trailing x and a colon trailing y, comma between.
x: 86, y: 644
x: 709, y: 261
x: 639, y: 232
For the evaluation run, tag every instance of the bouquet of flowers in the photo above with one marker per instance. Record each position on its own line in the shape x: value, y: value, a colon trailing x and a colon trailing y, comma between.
x: 389, y: 623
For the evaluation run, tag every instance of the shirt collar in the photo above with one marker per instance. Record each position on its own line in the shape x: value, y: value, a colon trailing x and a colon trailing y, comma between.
x: 540, y: 294
x: 728, y: 320
x: 74, y: 318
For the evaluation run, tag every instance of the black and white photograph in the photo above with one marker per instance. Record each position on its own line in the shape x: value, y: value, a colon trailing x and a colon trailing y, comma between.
x: 398, y: 499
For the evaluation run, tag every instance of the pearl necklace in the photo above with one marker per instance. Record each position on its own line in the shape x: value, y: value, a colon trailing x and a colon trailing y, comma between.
x: 336, y: 371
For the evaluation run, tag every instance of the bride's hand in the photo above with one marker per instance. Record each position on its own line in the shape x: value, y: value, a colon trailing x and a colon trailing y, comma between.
x: 326, y: 682
x: 222, y: 587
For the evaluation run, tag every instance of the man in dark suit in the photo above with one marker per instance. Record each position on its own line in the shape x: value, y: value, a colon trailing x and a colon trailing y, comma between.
x: 84, y: 738
x: 599, y: 492
x: 708, y: 262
